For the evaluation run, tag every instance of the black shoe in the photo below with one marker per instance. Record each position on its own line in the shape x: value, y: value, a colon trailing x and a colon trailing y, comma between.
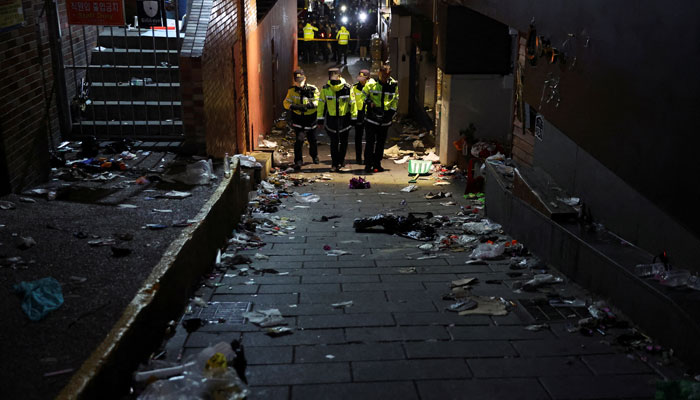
x: 297, y: 166
x: 358, y: 160
x: 368, y: 169
x: 379, y: 169
x: 336, y: 168
x: 316, y: 160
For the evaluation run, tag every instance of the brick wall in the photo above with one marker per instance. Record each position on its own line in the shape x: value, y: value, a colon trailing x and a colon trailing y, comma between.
x: 270, y: 75
x: 210, y: 96
x: 523, y: 137
x: 24, y: 123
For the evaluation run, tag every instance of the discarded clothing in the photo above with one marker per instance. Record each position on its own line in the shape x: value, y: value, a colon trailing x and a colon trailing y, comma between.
x: 39, y: 297
x: 410, y: 226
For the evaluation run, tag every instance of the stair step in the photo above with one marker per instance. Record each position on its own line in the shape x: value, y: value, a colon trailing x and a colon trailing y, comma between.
x: 124, y: 73
x: 133, y: 57
x: 145, y: 130
x: 139, y: 110
x: 154, y: 92
x: 143, y: 39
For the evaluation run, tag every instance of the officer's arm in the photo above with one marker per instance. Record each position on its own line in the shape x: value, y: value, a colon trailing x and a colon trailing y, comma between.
x: 321, y: 110
x: 366, y: 95
x: 314, y: 100
x: 353, y: 105
x: 393, y: 104
x: 287, y: 101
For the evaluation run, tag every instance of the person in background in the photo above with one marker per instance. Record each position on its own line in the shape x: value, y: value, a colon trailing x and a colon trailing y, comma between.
x: 309, y: 42
x: 363, y: 36
x: 382, y: 101
x: 337, y: 109
x: 302, y: 102
x: 362, y: 80
x: 343, y: 37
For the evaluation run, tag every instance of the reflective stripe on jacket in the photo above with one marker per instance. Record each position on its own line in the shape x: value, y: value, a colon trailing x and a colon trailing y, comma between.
x: 306, y: 96
x: 359, y: 95
x: 309, y: 32
x: 382, y: 101
x: 338, y: 103
x: 343, y: 36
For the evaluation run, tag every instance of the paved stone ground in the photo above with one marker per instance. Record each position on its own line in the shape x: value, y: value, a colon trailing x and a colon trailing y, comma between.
x: 397, y: 340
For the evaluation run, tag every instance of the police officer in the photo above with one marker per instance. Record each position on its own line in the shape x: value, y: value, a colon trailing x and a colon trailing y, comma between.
x: 362, y: 80
x: 302, y: 102
x: 337, y: 109
x: 382, y: 99
x: 343, y: 36
x: 309, y: 42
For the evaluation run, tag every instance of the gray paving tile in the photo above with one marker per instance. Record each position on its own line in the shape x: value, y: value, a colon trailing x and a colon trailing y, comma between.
x: 411, y: 263
x: 301, y: 288
x: 258, y: 298
x: 205, y: 339
x: 610, y: 364
x: 237, y: 288
x: 268, y: 279
x: 345, y: 320
x: 459, y: 349
x: 293, y: 374
x: 307, y: 337
x: 387, y: 286
x: 356, y: 390
x: 330, y: 298
x: 527, y: 367
x: 409, y: 369
x: 290, y: 310
x: 601, y: 387
x: 337, y: 278
x: 491, y: 389
x: 387, y: 334
x: 269, y: 355
x: 419, y: 277
x: 497, y: 333
x: 269, y: 393
x: 339, y: 264
x: 561, y: 347
x: 349, y: 352
x: 420, y: 305
x: 439, y: 318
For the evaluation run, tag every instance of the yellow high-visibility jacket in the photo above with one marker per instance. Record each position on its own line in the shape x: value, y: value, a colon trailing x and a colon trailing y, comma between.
x: 359, y: 95
x: 302, y: 102
x: 382, y: 101
x: 309, y: 32
x: 342, y: 36
x: 338, y: 103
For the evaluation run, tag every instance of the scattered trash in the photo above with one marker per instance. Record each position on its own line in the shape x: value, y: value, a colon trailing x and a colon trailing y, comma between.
x: 325, y: 218
x: 59, y: 372
x: 247, y: 161
x: 259, y: 256
x: 488, y: 306
x: 570, y: 201
x: 463, y: 282
x: 268, y: 144
x: 488, y: 251
x: 484, y: 227
x: 155, y: 227
x: 39, y: 297
x: 278, y: 331
x: 27, y: 200
x: 127, y: 206
x: 192, y: 324
x: 540, y: 280
x: 175, y: 194
x: 343, y: 304
x: 403, y: 160
x: 162, y: 211
x: 468, y: 304
x: 410, y: 227
x: 306, y: 198
x: 359, y: 183
x: 337, y: 252
x: 78, y: 279
x: 410, y: 188
x: 26, y: 242
x: 431, y: 156
x: 536, y: 327
x: 563, y: 302
x: 438, y: 195
x: 265, y: 318
x: 408, y: 270
x: 330, y: 356
x: 645, y: 270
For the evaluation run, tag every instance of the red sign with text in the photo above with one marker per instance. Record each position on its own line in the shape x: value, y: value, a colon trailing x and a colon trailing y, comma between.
x: 95, y: 12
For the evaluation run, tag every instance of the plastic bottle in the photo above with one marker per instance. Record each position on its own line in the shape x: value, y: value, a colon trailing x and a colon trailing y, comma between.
x: 675, y: 278
x: 644, y: 270
x: 227, y: 166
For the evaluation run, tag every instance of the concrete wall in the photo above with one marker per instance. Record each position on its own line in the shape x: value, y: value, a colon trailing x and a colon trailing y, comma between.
x: 613, y: 201
x: 400, y: 36
x: 484, y: 100
x: 25, y: 81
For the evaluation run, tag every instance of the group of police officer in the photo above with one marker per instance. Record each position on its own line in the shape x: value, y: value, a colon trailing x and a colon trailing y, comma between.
x: 342, y: 38
x: 368, y: 105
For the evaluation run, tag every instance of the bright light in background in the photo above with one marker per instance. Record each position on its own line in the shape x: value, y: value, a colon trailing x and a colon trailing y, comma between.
x: 343, y: 8
x: 363, y: 16
x: 344, y: 19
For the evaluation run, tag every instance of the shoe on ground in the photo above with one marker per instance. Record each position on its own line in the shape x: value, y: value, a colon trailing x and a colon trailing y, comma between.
x: 379, y: 169
x: 358, y: 161
x: 368, y: 170
x: 297, y: 166
x: 316, y: 161
x: 336, y: 168
x: 343, y: 169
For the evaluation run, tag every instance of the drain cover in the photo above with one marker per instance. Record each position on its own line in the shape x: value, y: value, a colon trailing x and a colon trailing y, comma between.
x: 542, y: 311
x: 228, y: 312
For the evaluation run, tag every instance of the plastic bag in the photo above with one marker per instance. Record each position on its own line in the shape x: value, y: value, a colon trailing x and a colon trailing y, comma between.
x: 483, y: 227
x: 488, y: 250
x: 198, y: 173
x: 40, y: 297
x: 306, y: 198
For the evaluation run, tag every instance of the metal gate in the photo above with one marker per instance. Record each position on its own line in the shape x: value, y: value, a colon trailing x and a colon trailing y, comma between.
x: 123, y: 81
